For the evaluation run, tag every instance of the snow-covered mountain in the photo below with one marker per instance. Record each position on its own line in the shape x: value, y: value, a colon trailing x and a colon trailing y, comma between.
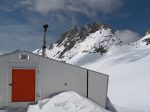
x: 90, y: 38
x: 128, y: 65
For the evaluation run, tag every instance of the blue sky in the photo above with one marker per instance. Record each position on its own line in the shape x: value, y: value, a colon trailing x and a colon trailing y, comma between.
x: 21, y: 20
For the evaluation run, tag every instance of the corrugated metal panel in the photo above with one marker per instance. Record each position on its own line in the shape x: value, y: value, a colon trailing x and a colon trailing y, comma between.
x: 59, y: 77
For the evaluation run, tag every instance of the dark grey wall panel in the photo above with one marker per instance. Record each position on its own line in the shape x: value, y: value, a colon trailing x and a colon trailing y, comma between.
x: 98, y: 84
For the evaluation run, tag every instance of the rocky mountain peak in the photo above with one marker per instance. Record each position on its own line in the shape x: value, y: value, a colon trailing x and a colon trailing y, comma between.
x: 79, y: 33
x: 89, y: 38
x: 92, y: 28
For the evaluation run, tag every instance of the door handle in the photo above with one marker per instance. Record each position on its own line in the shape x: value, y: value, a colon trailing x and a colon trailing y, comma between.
x: 10, y: 84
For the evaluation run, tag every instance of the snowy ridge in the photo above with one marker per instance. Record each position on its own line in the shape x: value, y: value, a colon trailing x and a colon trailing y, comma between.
x: 66, y: 102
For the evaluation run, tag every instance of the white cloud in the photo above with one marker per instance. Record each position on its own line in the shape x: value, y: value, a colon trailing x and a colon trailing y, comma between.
x: 82, y: 6
x: 127, y: 36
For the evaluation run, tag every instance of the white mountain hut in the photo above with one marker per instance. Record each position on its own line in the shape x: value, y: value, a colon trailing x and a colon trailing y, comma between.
x: 26, y: 78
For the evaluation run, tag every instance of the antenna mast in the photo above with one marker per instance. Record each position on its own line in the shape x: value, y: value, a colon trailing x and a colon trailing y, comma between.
x: 44, y: 40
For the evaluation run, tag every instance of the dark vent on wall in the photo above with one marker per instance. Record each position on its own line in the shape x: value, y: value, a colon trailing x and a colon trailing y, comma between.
x: 24, y: 57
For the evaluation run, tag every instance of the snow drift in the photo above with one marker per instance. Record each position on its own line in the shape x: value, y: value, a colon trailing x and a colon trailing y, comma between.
x: 66, y: 102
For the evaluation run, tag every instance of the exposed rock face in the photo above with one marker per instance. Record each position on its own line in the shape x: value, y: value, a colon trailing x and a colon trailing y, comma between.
x: 146, y: 38
x: 147, y: 41
x: 78, y: 34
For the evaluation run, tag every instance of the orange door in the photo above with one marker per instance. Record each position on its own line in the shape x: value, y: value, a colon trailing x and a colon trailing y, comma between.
x: 23, y: 85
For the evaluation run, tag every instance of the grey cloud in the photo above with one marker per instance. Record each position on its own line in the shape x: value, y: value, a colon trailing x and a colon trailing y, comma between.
x: 127, y: 36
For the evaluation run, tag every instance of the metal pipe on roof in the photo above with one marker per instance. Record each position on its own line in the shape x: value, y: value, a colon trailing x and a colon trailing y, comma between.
x: 44, y: 40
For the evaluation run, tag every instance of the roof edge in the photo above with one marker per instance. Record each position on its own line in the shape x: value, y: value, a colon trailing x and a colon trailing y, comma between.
x: 19, y: 51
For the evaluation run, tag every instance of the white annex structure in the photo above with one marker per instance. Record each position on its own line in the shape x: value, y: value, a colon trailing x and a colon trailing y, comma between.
x: 26, y: 77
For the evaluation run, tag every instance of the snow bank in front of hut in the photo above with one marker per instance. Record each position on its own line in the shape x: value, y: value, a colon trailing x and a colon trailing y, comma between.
x: 66, y: 102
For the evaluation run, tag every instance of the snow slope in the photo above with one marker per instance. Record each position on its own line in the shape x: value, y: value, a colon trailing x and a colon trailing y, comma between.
x: 66, y: 102
x: 129, y: 69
